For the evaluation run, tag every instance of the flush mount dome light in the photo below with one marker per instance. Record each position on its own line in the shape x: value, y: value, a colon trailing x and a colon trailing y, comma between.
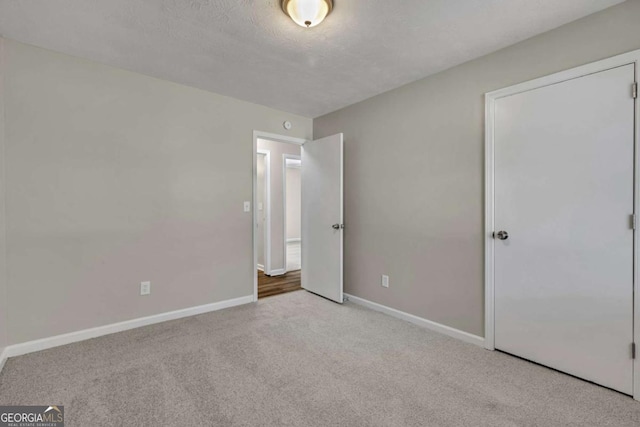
x: 307, y: 13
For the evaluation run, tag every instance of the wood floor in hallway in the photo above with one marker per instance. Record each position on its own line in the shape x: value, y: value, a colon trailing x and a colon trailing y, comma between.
x: 275, y: 285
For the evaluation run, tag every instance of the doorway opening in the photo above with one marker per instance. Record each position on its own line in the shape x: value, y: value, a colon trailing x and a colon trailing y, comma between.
x: 278, y: 234
x: 316, y: 264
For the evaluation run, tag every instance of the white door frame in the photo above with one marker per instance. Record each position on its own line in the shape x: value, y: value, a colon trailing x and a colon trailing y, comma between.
x: 284, y: 201
x: 490, y: 100
x: 271, y: 137
x: 267, y: 208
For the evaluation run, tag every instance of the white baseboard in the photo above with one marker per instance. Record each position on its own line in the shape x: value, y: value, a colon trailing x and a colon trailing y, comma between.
x: 437, y: 327
x: 294, y: 240
x: 56, y: 341
x: 3, y: 358
x: 260, y: 267
x: 278, y: 272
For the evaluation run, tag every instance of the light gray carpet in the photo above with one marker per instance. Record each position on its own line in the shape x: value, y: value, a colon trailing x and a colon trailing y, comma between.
x: 299, y: 360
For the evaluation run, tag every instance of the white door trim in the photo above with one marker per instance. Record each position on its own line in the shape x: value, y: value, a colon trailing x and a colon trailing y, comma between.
x: 267, y: 208
x: 272, y: 137
x: 490, y: 100
x: 284, y: 202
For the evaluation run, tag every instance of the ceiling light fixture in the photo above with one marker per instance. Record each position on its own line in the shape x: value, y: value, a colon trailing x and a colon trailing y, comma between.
x: 307, y: 13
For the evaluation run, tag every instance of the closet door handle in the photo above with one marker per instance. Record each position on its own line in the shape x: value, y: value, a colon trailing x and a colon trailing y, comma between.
x: 501, y: 235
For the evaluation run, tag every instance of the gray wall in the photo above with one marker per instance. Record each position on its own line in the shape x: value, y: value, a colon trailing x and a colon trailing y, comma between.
x: 3, y: 271
x: 277, y: 150
x: 414, y: 170
x: 114, y: 178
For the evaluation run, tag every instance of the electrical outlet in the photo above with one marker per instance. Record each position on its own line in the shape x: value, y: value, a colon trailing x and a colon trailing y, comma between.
x: 145, y: 288
x: 385, y: 281
x: 247, y: 206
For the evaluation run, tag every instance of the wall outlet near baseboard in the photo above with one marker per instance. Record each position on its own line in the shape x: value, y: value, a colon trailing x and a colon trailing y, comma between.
x: 385, y: 281
x: 145, y: 288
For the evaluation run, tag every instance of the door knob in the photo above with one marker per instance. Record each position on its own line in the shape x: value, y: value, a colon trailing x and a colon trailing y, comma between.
x: 336, y: 226
x: 502, y: 235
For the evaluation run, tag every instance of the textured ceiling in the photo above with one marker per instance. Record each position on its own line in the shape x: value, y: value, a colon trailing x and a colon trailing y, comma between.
x: 249, y: 49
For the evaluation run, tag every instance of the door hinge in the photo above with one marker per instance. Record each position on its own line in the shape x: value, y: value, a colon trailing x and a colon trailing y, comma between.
x: 633, y: 222
x: 633, y: 350
x: 634, y: 90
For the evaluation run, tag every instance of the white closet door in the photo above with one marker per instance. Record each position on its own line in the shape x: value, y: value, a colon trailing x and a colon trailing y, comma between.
x: 564, y: 171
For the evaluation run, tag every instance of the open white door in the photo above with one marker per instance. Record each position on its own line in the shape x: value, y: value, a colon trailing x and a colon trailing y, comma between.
x: 322, y: 216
